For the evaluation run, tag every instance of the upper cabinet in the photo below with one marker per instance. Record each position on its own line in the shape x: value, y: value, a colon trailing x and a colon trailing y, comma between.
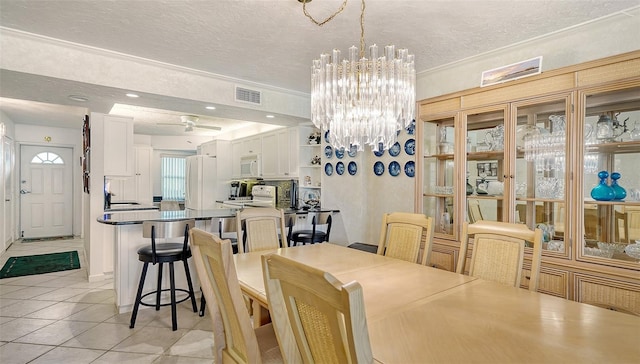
x: 557, y: 151
x: 277, y: 152
x: 118, y: 146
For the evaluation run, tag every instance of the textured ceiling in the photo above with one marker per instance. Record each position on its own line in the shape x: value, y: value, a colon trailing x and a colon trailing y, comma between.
x: 271, y: 41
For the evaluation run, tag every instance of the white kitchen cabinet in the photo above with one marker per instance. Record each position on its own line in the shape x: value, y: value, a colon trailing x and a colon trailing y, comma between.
x: 279, y: 153
x: 270, y: 156
x: 139, y: 187
x: 212, y: 148
x: 242, y: 147
x: 118, y: 147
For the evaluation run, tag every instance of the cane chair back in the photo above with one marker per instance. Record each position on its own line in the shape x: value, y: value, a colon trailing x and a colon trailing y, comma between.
x: 259, y: 228
x: 406, y: 236
x: 498, y: 252
x: 317, y: 319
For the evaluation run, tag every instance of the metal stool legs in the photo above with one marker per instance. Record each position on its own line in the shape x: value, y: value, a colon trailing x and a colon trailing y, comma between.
x: 134, y: 314
x: 139, y: 296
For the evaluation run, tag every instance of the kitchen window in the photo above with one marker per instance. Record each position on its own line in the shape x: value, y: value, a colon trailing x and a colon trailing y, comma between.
x: 173, y: 176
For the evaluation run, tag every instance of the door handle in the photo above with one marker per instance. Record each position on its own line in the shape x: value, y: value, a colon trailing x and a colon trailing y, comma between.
x: 24, y: 192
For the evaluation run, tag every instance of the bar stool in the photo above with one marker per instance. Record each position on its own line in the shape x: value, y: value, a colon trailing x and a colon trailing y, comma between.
x: 165, y: 253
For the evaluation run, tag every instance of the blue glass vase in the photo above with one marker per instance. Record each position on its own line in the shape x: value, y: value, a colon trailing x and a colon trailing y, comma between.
x: 620, y: 192
x: 603, y: 192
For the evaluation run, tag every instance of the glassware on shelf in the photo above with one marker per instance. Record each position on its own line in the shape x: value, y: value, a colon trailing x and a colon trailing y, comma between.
x: 495, y: 138
x: 549, y: 187
x: 620, y: 192
x: 547, y: 149
x: 603, y: 192
x: 635, y: 133
x: 608, y: 129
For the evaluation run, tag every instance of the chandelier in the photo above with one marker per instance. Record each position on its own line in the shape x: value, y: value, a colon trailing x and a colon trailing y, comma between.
x: 362, y: 100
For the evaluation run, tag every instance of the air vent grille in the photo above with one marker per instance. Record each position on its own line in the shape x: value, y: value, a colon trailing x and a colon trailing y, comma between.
x: 246, y: 95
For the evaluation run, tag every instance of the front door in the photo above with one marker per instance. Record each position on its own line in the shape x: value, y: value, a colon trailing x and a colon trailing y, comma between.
x: 46, y: 188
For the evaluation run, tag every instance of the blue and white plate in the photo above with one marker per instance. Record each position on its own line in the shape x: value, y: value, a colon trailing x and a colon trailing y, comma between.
x: 410, y: 169
x: 353, y: 150
x: 395, y: 149
x: 328, y: 169
x: 326, y: 136
x: 394, y: 168
x: 353, y: 168
x: 412, y: 127
x: 378, y: 168
x: 340, y: 153
x: 380, y: 151
x: 410, y: 146
x: 328, y: 151
x: 340, y: 168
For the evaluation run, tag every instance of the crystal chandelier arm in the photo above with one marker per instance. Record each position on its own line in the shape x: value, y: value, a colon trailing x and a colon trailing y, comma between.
x: 321, y: 23
x: 344, y: 4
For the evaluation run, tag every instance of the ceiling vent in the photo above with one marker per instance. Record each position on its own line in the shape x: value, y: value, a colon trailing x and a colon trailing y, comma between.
x: 250, y: 96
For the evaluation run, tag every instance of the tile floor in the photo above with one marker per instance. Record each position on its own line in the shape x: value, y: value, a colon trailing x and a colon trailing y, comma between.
x: 62, y: 318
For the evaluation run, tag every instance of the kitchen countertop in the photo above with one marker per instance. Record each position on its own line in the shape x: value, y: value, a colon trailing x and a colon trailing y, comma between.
x: 138, y: 216
x: 130, y: 207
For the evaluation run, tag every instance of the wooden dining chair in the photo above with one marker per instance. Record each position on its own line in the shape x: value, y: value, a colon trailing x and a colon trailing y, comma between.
x: 406, y: 236
x: 260, y: 228
x: 498, y: 252
x: 235, y: 340
x: 317, y: 318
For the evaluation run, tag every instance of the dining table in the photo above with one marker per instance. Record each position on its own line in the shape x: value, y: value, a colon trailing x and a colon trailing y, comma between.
x: 418, y: 314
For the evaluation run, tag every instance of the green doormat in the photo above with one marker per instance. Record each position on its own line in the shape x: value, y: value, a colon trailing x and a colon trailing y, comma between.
x: 39, y: 264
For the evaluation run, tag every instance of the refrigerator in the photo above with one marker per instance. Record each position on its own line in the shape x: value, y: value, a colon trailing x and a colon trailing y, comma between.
x: 204, y: 184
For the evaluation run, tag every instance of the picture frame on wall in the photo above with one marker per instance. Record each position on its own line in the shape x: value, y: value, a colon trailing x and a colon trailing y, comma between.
x: 511, y: 72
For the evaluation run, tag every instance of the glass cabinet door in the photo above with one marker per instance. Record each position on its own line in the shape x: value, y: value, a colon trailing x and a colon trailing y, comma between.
x: 610, y: 204
x: 540, y: 182
x: 438, y: 182
x: 485, y: 167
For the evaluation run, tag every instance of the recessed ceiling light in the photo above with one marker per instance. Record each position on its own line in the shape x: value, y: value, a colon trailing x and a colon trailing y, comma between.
x: 210, y: 107
x: 132, y: 95
x: 78, y: 98
x: 270, y: 116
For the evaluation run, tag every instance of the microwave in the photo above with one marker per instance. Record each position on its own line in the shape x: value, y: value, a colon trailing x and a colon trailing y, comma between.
x: 250, y: 165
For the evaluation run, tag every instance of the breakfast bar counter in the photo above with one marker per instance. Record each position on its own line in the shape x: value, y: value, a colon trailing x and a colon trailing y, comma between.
x: 126, y: 234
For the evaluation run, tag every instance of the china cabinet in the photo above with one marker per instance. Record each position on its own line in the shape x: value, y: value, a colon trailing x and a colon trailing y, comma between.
x: 530, y: 151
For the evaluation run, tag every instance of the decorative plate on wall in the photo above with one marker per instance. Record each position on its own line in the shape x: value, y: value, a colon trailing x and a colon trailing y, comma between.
x: 353, y: 150
x: 353, y: 168
x: 394, y: 151
x: 339, y: 153
x: 326, y: 136
x: 328, y: 169
x: 410, y: 169
x: 378, y: 168
x: 328, y: 151
x: 380, y: 151
x: 340, y: 168
x: 410, y: 146
x: 412, y: 127
x: 394, y: 168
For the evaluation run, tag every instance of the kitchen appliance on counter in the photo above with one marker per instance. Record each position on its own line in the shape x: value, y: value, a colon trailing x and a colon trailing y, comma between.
x: 262, y: 196
x: 234, y: 190
x: 204, y: 183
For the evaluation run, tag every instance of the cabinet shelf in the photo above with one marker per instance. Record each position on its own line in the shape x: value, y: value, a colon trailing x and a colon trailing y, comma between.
x: 534, y: 199
x: 613, y: 202
x: 618, y: 148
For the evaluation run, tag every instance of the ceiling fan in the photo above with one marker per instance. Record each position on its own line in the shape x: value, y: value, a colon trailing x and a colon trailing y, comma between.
x: 191, y: 121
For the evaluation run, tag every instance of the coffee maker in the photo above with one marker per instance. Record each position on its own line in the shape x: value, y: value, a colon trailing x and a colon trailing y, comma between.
x: 234, y: 191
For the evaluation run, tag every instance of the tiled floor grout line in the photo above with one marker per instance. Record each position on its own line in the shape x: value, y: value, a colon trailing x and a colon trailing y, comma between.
x: 83, y: 311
